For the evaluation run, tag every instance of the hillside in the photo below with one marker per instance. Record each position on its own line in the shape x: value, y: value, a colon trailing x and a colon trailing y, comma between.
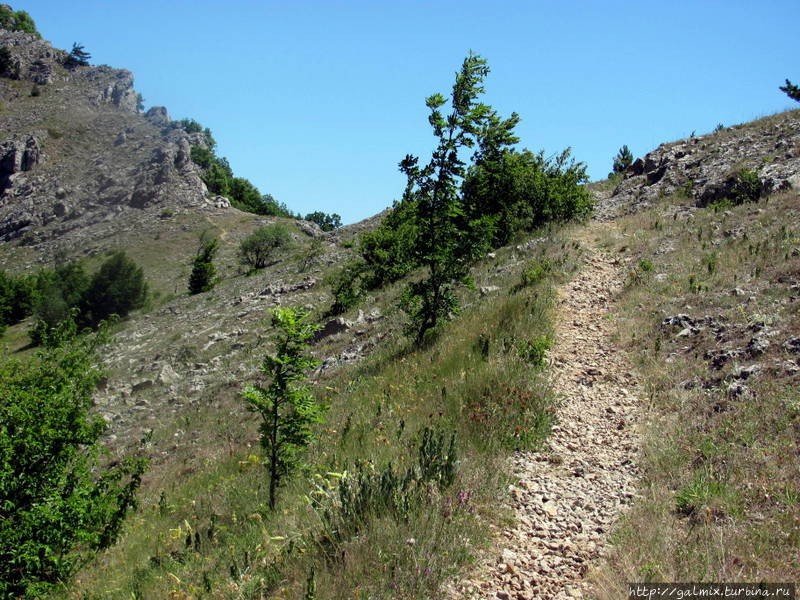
x: 616, y: 401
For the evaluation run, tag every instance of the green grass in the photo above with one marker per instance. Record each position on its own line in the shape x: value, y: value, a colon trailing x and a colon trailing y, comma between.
x: 204, y: 530
x: 720, y: 487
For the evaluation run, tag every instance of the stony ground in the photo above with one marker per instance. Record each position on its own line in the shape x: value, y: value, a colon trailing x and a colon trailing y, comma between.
x: 566, y: 499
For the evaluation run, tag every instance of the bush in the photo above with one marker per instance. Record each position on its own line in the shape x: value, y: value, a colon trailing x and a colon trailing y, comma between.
x: 57, y: 298
x: 257, y: 249
x: 747, y: 187
x: 520, y: 191
x: 203, y: 271
x: 57, y: 505
x: 117, y: 288
x: 8, y: 68
x: 16, y: 297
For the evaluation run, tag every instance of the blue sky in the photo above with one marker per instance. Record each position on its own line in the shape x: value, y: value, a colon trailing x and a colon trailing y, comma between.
x: 317, y: 102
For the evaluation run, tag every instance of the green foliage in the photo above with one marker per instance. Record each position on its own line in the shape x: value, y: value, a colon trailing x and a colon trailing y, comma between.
x: 535, y: 272
x: 444, y: 242
x: 58, y: 295
x: 791, y: 90
x: 35, y: 91
x: 437, y: 458
x: 117, y: 288
x: 77, y: 57
x: 311, y: 253
x: 747, y: 187
x: 57, y: 504
x: 259, y: 247
x: 719, y: 127
x: 623, y: 159
x: 288, y: 409
x: 203, y: 274
x: 520, y: 191
x: 8, y: 68
x: 369, y: 493
x: 534, y: 351
x: 139, y: 102
x: 192, y: 126
x: 325, y: 221
x: 16, y: 297
x: 219, y: 179
x: 17, y: 21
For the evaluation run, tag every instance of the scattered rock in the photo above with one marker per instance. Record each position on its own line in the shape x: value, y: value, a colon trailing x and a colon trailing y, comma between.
x: 792, y: 345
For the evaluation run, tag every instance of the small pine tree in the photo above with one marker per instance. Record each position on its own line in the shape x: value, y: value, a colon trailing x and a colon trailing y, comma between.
x: 203, y: 274
x: 77, y: 57
x: 791, y: 90
x: 288, y: 409
x: 623, y: 159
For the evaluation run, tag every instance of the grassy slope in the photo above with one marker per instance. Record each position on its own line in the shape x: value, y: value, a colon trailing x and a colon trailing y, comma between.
x: 204, y: 531
x: 721, y: 495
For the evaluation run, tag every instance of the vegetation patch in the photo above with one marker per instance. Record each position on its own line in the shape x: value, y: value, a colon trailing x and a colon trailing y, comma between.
x: 710, y: 328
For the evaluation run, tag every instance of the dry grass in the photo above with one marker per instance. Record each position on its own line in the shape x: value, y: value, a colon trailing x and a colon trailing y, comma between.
x: 720, y: 500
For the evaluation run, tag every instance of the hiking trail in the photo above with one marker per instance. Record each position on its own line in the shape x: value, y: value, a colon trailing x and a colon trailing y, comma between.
x: 567, y: 496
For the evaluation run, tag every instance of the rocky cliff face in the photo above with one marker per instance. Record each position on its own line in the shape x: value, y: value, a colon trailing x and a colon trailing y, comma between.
x: 706, y: 168
x: 77, y: 158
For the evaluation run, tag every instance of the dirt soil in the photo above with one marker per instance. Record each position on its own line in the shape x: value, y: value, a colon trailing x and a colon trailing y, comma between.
x: 566, y: 499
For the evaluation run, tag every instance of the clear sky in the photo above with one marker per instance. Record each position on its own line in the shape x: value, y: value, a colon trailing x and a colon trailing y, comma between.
x: 317, y: 101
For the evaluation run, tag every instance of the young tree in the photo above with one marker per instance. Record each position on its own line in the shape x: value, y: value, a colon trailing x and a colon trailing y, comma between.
x: 622, y: 160
x: 117, y: 288
x: 203, y: 274
x: 444, y: 243
x: 257, y: 249
x: 77, y: 57
x: 57, y: 504
x: 793, y: 91
x: 287, y: 408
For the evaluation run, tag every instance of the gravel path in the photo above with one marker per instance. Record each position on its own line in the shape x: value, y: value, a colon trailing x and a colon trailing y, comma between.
x: 567, y: 497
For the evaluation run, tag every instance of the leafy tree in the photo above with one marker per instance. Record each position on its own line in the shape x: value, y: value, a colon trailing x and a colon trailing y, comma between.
x: 17, y: 21
x: 519, y: 191
x: 325, y: 221
x: 203, y: 274
x: 791, y: 90
x: 57, y: 295
x: 117, y: 288
x: 257, y: 249
x: 444, y: 243
x: 288, y: 409
x: 273, y: 208
x: 139, y: 102
x: 623, y: 159
x: 77, y: 57
x: 16, y: 297
x: 57, y: 504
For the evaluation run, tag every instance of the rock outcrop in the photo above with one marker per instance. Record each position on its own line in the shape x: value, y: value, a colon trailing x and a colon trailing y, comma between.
x: 75, y: 151
x: 708, y: 168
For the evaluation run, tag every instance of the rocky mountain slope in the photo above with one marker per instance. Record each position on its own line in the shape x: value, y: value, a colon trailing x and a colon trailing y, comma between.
x: 78, y: 161
x: 83, y: 171
x: 706, y: 169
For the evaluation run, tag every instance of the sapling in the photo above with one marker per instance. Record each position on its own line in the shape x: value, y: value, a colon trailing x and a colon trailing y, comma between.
x: 287, y: 407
